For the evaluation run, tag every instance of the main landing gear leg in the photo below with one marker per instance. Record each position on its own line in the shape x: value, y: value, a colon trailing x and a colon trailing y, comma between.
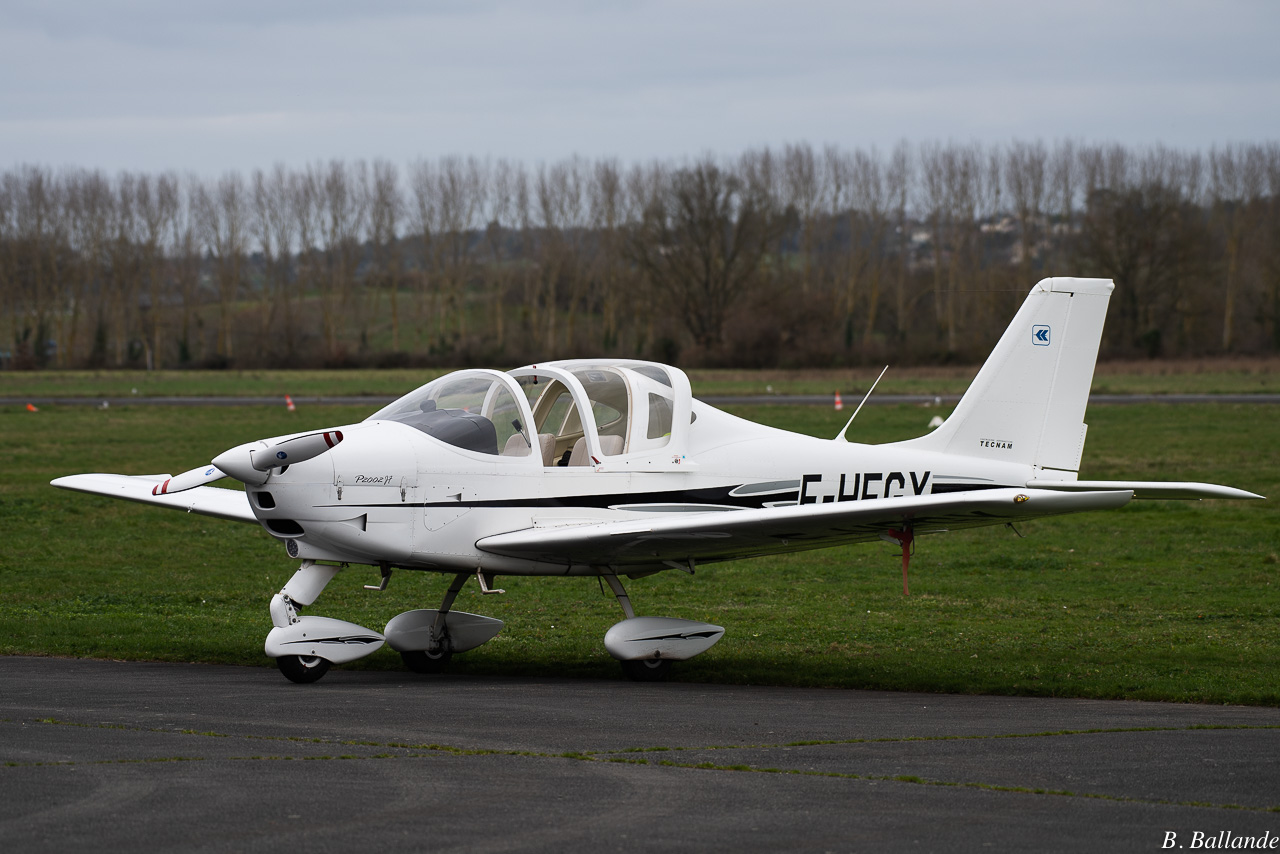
x: 304, y: 647
x: 620, y: 593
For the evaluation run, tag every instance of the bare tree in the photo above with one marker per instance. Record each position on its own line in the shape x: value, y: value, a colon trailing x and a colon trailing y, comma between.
x: 122, y: 270
x: 703, y: 240
x: 185, y: 250
x: 223, y: 212
x: 963, y: 175
x: 806, y: 186
x: 898, y: 178
x: 274, y: 228
x: 447, y: 198
x: 935, y: 205
x: 1127, y: 235
x: 1026, y: 176
x: 385, y: 210
x: 39, y: 240
x: 157, y: 204
x: 1064, y: 175
x: 1236, y: 177
x: 608, y: 213
x: 499, y: 217
x: 340, y: 199
x: 871, y: 200
x: 1270, y: 216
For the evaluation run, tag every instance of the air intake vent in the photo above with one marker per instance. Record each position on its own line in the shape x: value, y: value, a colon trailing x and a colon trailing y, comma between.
x: 265, y: 500
x: 284, y: 527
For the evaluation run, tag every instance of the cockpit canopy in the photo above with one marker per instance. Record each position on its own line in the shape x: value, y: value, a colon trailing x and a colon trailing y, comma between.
x: 568, y: 413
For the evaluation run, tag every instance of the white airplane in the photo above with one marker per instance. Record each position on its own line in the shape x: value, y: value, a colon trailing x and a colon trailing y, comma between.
x: 608, y: 467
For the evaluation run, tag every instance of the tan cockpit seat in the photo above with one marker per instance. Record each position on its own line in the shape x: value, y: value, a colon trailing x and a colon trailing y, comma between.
x: 610, y: 446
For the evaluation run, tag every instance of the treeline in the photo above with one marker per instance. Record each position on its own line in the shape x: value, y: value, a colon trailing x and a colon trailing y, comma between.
x: 793, y: 257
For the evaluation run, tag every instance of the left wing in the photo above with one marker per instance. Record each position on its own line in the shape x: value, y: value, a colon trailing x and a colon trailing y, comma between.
x: 729, y: 534
x: 213, y: 501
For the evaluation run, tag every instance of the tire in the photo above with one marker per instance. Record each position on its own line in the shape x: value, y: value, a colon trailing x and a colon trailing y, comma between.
x: 421, y: 661
x: 303, y: 669
x: 647, y: 669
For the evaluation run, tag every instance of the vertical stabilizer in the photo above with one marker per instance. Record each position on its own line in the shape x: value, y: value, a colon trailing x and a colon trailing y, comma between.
x: 1027, y: 403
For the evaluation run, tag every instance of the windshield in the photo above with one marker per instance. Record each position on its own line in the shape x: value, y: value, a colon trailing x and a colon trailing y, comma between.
x: 473, y: 410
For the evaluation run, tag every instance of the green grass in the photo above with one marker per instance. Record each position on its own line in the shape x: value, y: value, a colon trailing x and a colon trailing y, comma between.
x: 1159, y: 600
x: 1218, y: 377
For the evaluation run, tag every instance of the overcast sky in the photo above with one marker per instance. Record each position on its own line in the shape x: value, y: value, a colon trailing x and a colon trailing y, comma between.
x: 237, y: 85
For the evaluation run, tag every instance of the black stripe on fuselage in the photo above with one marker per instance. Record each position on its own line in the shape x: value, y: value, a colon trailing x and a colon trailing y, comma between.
x: 712, y: 497
x: 949, y: 488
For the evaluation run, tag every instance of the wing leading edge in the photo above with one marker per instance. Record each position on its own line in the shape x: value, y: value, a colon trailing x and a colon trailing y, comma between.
x: 748, y: 533
x: 230, y: 504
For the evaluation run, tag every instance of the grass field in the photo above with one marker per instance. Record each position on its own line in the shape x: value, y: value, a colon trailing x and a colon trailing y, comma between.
x: 1188, y: 376
x: 1160, y: 600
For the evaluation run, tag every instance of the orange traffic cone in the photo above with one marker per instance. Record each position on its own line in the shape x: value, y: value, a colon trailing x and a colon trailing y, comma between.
x: 31, y: 407
x: 839, y: 402
x: 288, y: 402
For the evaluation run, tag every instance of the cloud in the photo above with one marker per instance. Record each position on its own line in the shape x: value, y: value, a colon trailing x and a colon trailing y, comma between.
x: 238, y: 84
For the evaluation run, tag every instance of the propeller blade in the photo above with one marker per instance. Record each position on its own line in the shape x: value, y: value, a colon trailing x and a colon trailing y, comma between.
x: 296, y: 450
x: 188, y: 480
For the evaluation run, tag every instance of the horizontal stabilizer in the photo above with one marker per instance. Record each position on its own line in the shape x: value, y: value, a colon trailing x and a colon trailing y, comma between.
x: 213, y: 501
x: 1146, y: 488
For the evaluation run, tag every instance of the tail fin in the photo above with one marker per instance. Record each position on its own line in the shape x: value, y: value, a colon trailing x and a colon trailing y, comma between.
x: 1027, y: 403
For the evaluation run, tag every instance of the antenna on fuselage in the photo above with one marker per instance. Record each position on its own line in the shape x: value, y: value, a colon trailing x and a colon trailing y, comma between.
x: 840, y: 437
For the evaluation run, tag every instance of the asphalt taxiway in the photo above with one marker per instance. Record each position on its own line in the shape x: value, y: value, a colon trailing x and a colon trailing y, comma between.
x: 118, y: 756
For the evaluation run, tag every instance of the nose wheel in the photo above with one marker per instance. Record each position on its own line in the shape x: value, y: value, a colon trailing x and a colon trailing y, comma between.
x: 302, y: 669
x: 296, y: 641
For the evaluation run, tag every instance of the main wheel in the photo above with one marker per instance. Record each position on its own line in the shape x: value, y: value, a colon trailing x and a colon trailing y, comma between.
x: 422, y: 661
x: 647, y: 669
x: 302, y: 668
